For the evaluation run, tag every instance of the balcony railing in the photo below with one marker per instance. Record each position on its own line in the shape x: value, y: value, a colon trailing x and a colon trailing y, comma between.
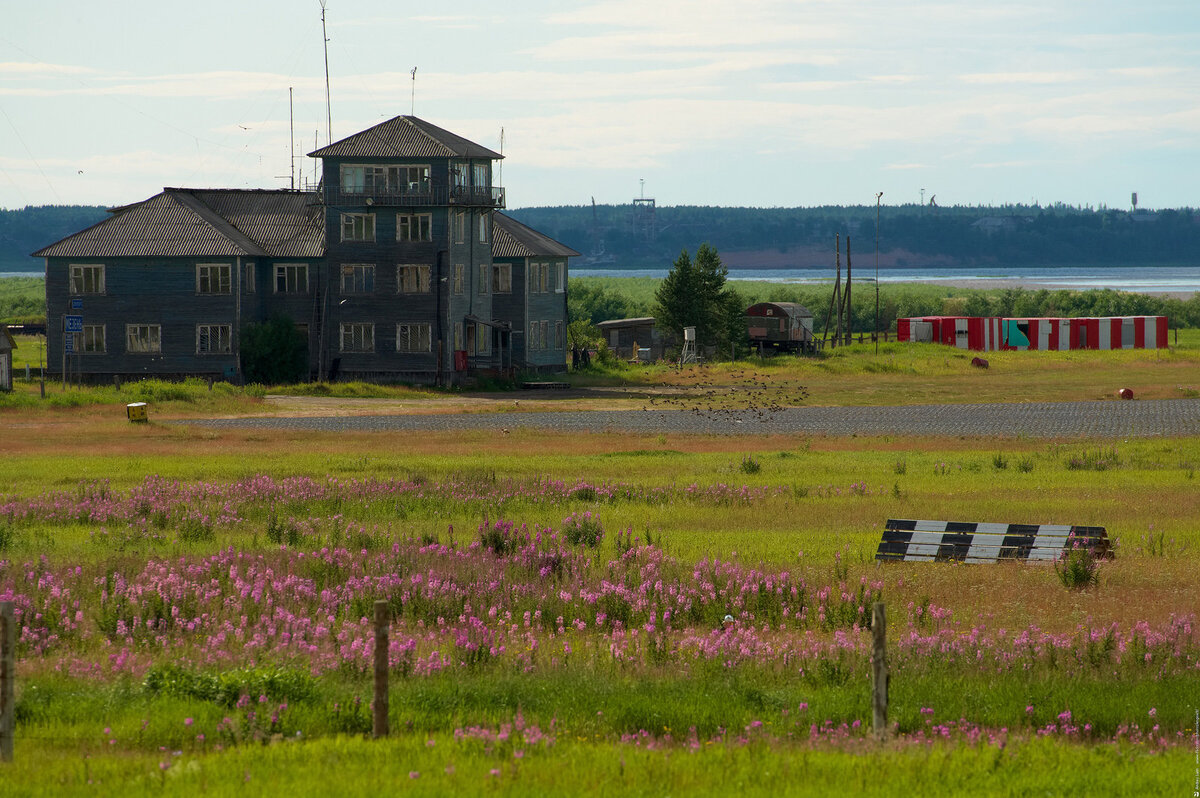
x: 418, y: 195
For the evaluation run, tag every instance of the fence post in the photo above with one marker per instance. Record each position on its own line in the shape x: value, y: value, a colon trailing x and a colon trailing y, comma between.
x: 8, y: 675
x: 380, y: 726
x: 879, y: 670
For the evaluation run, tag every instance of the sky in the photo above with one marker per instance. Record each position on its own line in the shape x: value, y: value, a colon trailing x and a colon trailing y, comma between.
x: 760, y: 103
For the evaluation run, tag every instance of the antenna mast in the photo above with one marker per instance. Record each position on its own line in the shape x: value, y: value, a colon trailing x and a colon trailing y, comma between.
x: 292, y: 137
x: 328, y: 112
x: 412, y: 109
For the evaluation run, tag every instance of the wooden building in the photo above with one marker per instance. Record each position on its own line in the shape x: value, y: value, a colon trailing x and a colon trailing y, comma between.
x: 7, y: 345
x: 635, y: 339
x: 387, y: 269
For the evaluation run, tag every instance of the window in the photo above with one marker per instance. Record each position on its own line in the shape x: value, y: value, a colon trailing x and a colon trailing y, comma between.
x: 291, y: 278
x: 544, y: 336
x: 539, y: 275
x: 358, y: 227
x: 213, y: 278
x: 460, y: 227
x: 458, y: 175
x: 143, y: 338
x: 560, y: 282
x: 414, y: 227
x: 412, y: 338
x: 459, y: 277
x: 302, y: 331
x: 481, y: 175
x: 213, y: 339
x: 458, y: 336
x: 358, y: 278
x: 483, y: 228
x: 385, y: 179
x: 87, y: 279
x: 358, y: 338
x: 484, y: 273
x: 534, y: 329
x: 90, y: 341
x: 483, y: 339
x: 559, y: 342
x: 412, y: 278
x: 250, y: 279
x: 502, y: 278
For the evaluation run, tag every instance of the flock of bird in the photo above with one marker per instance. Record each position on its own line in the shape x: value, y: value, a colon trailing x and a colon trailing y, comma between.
x: 745, y: 396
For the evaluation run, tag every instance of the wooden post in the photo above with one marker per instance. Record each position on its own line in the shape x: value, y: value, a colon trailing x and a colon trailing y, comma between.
x: 8, y: 675
x: 879, y: 670
x: 380, y: 728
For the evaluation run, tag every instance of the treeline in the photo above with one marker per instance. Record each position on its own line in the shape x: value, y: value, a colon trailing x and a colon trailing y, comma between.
x: 596, y: 299
x: 909, y: 235
x: 28, y: 229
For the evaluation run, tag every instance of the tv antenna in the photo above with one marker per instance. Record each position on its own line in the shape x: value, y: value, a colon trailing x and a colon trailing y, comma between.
x: 328, y: 111
x: 412, y: 109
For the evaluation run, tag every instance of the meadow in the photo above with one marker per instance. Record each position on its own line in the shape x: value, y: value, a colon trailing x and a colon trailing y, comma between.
x: 194, y: 603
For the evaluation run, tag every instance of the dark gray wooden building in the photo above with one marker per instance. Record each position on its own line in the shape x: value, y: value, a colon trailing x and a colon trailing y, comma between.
x: 387, y: 269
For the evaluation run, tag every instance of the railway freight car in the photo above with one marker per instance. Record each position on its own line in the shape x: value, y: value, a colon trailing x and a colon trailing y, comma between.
x: 781, y: 326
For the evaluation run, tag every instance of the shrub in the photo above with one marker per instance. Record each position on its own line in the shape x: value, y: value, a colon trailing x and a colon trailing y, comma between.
x: 274, y: 352
x: 750, y: 465
x: 584, y: 528
x: 1077, y: 569
x: 999, y: 461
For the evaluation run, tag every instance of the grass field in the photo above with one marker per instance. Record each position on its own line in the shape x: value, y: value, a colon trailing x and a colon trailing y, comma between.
x: 193, y: 602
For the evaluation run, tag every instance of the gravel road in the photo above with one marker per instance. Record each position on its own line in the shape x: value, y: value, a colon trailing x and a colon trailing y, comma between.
x: 1102, y: 419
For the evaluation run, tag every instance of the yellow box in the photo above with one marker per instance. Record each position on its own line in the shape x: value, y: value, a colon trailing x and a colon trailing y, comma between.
x: 136, y: 411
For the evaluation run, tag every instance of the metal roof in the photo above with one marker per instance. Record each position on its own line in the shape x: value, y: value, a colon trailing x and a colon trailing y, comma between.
x: 204, y: 223
x: 405, y: 137
x: 627, y: 322
x: 511, y: 239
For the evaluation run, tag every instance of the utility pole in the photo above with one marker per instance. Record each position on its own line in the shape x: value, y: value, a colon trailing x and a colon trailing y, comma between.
x: 877, y: 198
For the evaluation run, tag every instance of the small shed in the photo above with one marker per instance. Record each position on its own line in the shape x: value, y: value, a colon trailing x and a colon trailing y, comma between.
x: 779, y: 325
x: 633, y: 339
x: 7, y: 345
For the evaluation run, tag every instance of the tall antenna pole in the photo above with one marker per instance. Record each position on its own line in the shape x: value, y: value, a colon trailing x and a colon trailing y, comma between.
x: 292, y: 137
x: 500, y: 177
x: 877, y: 198
x: 328, y: 111
x: 412, y: 110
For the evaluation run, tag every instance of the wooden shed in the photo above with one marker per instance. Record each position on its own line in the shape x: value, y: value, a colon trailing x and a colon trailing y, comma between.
x: 784, y: 326
x: 633, y: 339
x: 7, y: 345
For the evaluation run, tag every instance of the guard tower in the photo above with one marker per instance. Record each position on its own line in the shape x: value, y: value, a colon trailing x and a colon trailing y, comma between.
x: 688, y: 354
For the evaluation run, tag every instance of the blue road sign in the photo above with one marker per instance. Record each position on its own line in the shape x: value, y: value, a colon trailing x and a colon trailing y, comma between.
x: 74, y: 324
x: 77, y: 303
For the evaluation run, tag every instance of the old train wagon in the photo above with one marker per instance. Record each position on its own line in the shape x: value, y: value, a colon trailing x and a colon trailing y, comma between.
x: 784, y: 326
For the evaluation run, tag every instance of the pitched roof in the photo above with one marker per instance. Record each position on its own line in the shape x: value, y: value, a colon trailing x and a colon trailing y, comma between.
x: 405, y: 137
x: 204, y: 223
x: 511, y: 239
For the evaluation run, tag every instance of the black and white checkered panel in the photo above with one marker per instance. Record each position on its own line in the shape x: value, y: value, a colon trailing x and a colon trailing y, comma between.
x: 943, y: 541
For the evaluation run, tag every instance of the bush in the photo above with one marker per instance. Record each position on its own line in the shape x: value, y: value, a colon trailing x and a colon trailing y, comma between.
x: 1077, y: 569
x: 584, y: 528
x: 274, y: 352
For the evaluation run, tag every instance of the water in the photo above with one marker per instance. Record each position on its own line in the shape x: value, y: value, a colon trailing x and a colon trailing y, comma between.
x: 1143, y: 280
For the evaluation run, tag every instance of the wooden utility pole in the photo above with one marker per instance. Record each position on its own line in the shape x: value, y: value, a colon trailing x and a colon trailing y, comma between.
x: 380, y: 726
x: 8, y: 675
x: 848, y: 281
x: 835, y: 299
x: 879, y: 671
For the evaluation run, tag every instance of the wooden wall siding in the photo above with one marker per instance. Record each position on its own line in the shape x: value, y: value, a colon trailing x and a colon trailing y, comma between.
x: 142, y: 291
x: 511, y: 308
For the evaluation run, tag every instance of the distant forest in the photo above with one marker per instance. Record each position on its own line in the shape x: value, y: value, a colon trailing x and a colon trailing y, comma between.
x: 914, y: 236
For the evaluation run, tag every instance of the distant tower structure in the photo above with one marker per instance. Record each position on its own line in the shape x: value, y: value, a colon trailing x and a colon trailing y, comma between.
x: 1134, y: 200
x: 645, y: 228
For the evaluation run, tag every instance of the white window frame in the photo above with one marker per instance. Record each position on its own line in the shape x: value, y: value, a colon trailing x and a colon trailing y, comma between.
x: 460, y: 227
x: 360, y: 335
x: 413, y: 337
x: 483, y: 228
x: 85, y: 343
x: 214, y: 278
x: 501, y: 278
x: 85, y: 278
x: 357, y: 224
x: 414, y: 227
x: 250, y: 278
x: 361, y: 278
x: 460, y: 278
x: 287, y: 271
x: 560, y: 282
x: 152, y: 339
x: 417, y: 284
x: 205, y: 337
x: 484, y: 274
x: 479, y: 175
